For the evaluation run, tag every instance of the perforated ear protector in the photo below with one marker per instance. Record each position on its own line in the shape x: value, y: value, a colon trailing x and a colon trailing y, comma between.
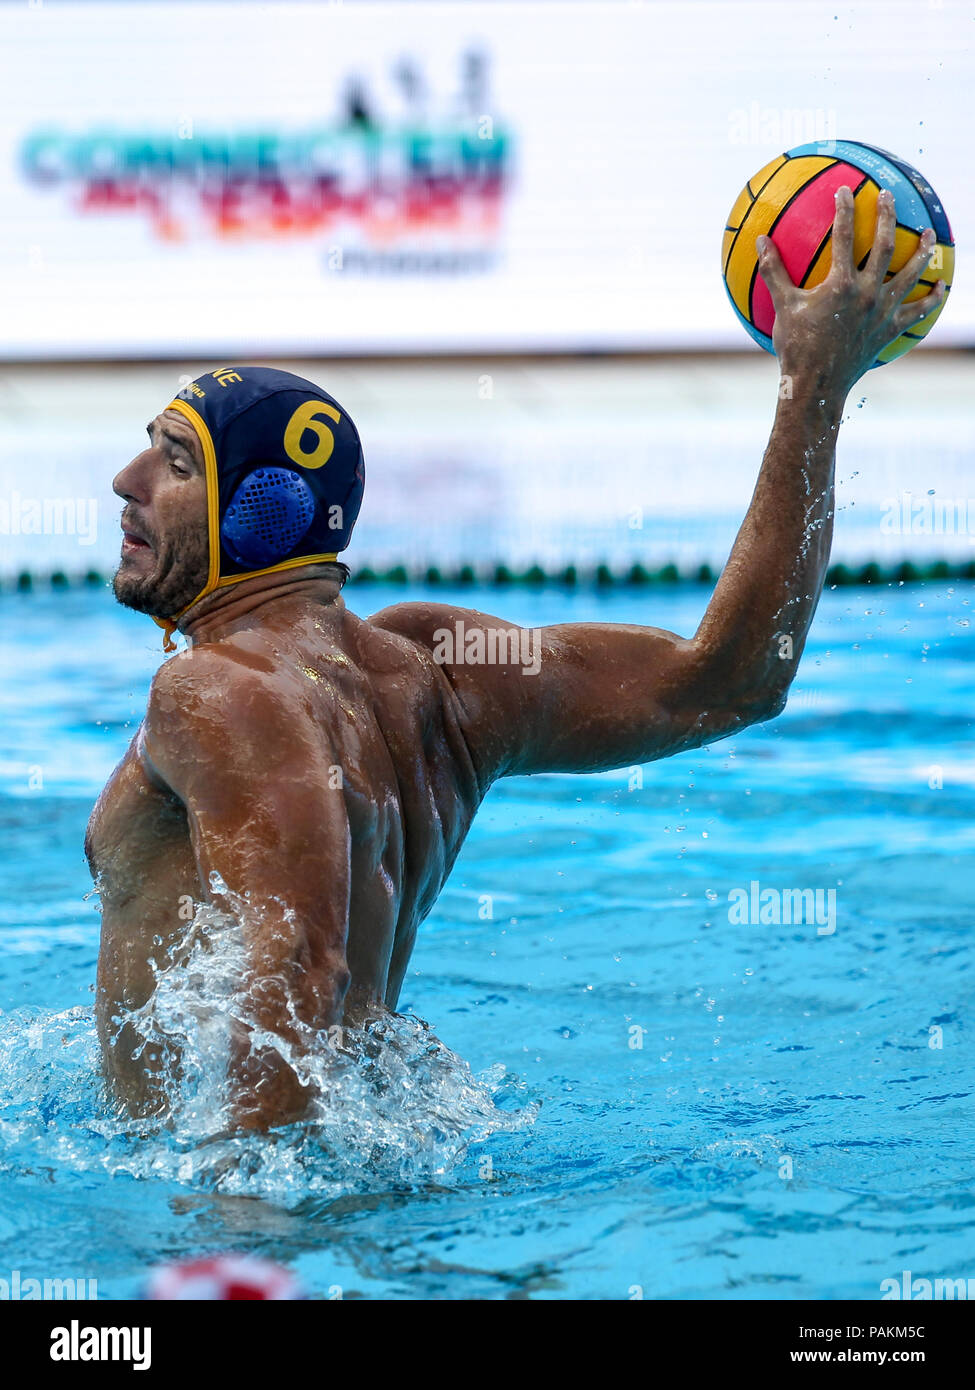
x: 267, y: 516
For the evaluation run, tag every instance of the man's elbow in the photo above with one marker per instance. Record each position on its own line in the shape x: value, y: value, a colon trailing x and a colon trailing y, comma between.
x: 760, y: 708
x: 734, y: 696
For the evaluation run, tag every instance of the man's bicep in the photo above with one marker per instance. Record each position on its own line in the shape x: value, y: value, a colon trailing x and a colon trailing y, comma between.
x: 572, y: 697
x: 607, y: 695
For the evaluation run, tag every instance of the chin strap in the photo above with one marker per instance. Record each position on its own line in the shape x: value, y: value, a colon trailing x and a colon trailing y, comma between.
x: 168, y: 627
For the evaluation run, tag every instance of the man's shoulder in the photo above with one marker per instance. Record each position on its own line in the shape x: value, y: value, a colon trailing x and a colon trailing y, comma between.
x: 218, y: 684
x: 213, y: 711
x: 426, y: 623
x: 207, y: 668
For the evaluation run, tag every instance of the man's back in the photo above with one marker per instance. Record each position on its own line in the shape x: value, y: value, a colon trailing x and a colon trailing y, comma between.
x: 363, y: 715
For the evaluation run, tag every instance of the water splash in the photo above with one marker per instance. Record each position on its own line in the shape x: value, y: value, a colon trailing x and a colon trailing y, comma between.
x: 392, y: 1106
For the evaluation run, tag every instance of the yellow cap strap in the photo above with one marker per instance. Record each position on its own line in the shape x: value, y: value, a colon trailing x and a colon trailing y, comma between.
x: 168, y: 628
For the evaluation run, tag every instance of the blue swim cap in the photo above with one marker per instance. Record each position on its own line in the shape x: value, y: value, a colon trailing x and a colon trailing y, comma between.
x: 284, y: 473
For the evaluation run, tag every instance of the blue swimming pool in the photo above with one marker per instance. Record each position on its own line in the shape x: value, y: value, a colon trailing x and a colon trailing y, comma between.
x: 637, y: 1092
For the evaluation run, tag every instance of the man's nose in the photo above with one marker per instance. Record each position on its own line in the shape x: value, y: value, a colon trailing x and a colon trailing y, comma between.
x: 132, y: 482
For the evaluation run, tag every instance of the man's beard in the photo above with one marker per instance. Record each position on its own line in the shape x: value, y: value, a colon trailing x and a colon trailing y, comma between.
x: 180, y: 572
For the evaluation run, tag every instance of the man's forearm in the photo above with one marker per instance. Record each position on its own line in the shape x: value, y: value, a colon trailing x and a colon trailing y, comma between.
x: 825, y: 339
x: 755, y: 626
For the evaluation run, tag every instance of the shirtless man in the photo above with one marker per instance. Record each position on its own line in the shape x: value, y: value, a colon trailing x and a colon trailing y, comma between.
x: 328, y: 767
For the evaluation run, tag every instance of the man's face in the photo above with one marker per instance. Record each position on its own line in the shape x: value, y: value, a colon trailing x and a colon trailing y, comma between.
x: 165, y: 546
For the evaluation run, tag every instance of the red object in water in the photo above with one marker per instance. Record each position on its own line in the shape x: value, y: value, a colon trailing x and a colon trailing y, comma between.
x: 222, y: 1278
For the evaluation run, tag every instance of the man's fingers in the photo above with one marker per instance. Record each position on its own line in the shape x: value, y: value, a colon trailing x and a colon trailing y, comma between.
x: 842, y: 237
x: 772, y: 269
x: 910, y: 315
x: 883, y: 241
x: 907, y: 277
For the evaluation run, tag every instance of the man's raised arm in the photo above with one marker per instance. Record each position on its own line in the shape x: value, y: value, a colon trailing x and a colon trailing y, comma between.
x: 264, y: 814
x: 755, y: 627
x: 607, y: 695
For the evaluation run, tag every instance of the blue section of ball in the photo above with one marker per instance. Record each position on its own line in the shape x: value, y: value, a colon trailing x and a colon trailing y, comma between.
x: 762, y: 339
x: 267, y: 516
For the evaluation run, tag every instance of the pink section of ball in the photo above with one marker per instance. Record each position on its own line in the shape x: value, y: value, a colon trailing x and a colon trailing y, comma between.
x: 800, y: 231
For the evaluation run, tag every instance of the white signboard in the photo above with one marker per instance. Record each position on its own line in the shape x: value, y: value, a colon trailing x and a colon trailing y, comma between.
x: 248, y: 180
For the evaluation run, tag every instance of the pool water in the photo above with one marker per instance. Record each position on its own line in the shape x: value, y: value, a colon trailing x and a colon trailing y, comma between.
x: 635, y: 1093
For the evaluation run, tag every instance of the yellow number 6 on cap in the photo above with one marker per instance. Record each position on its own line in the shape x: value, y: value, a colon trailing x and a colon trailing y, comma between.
x: 304, y: 419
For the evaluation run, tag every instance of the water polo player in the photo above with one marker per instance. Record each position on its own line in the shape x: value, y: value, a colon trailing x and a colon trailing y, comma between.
x: 316, y: 773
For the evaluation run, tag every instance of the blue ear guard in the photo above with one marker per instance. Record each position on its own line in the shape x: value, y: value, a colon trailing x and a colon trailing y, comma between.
x: 268, y: 514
